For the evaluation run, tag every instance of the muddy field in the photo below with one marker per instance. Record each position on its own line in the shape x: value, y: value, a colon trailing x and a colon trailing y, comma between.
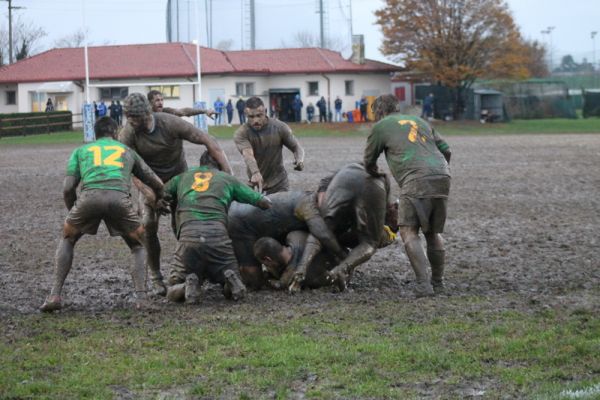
x: 522, y: 229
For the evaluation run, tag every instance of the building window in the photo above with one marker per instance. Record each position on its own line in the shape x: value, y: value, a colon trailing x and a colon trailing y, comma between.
x: 114, y: 93
x: 244, y: 89
x: 11, y: 97
x: 313, y: 88
x: 168, y: 92
x: 349, y: 86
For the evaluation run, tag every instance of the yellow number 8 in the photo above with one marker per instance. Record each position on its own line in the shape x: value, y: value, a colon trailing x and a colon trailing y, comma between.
x: 202, y: 181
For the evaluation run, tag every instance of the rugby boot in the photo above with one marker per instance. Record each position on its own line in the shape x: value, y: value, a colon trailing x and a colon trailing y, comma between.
x: 436, y: 259
x: 339, y: 277
x: 52, y: 303
x: 192, y: 289
x: 176, y: 293
x: 423, y: 289
x: 141, y: 300
x: 234, y: 288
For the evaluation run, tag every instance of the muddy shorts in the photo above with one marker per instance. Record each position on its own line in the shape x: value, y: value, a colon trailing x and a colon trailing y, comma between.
x: 427, y: 213
x: 111, y: 206
x: 424, y: 202
x: 204, y: 248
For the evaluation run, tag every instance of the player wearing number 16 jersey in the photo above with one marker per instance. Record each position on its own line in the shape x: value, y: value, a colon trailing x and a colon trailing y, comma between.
x: 104, y: 169
x: 200, y: 198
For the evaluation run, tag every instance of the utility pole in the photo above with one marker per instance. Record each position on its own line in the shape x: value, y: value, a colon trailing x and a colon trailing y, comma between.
x: 252, y: 26
x: 10, y: 40
x: 321, y: 20
x: 593, y: 36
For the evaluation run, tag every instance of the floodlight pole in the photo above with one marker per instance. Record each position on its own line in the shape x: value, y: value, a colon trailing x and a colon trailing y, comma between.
x: 550, y: 29
x: 593, y: 36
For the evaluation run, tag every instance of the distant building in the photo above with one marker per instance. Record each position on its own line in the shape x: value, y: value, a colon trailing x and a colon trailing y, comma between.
x: 274, y: 75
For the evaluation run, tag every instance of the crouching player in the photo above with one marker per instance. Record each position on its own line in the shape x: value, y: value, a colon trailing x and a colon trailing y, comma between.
x: 104, y: 168
x: 200, y: 200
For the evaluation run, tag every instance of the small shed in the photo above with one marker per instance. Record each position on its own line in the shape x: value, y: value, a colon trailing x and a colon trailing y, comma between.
x: 487, y: 105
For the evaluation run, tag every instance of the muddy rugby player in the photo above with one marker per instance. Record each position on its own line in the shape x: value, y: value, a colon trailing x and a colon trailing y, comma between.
x: 418, y: 158
x: 104, y: 168
x: 157, y: 102
x: 158, y: 139
x: 200, y: 199
x: 260, y: 141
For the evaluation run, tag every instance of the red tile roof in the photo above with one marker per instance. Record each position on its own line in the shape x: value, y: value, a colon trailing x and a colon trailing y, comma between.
x: 177, y: 60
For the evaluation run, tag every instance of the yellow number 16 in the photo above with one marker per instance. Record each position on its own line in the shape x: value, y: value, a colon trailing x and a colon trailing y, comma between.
x: 113, y: 159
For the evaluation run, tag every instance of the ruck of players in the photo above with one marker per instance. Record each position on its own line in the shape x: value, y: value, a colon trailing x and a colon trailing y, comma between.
x: 255, y: 232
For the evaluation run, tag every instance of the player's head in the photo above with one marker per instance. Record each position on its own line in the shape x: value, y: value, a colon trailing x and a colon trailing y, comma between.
x: 384, y: 105
x: 256, y: 114
x: 105, y: 127
x: 270, y: 253
x: 156, y: 100
x: 138, y: 112
x: 206, y: 160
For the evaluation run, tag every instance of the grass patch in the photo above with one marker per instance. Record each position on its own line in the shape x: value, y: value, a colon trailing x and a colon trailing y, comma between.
x: 538, y: 126
x: 384, y: 351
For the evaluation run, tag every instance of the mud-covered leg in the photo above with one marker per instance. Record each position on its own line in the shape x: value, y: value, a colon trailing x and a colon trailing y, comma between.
x: 418, y: 260
x: 437, y: 258
x: 233, y: 288
x: 137, y: 268
x: 152, y: 245
x: 63, y: 263
x: 341, y: 274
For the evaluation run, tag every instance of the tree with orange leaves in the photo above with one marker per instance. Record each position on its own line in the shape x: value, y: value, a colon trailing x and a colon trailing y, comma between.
x: 455, y: 41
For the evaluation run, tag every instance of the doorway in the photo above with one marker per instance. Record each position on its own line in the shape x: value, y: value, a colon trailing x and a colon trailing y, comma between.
x: 280, y: 104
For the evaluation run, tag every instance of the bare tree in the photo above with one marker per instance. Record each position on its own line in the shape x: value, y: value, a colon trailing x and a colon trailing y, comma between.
x: 225, y: 45
x: 26, y: 40
x: 302, y: 39
x: 75, y: 39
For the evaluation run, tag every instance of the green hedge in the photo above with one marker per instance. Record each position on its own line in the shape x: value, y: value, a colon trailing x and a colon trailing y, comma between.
x: 16, y: 124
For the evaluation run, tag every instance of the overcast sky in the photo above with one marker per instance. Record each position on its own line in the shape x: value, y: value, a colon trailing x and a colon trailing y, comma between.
x: 143, y: 21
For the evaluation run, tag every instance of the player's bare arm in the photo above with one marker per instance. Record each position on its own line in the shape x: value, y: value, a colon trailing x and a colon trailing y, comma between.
x: 256, y: 179
x: 70, y: 190
x: 197, y: 136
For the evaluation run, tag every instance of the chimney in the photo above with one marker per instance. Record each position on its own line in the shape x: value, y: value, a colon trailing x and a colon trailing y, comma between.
x: 358, y: 49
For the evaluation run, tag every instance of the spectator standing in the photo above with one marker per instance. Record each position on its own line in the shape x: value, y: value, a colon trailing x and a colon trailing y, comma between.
x: 427, y: 112
x: 219, y: 110
x: 240, y: 105
x: 338, y: 109
x: 322, y: 105
x: 310, y: 111
x: 229, y: 108
x: 297, y: 107
x: 363, y: 109
x: 49, y: 106
x: 96, y: 110
x: 113, y: 111
x: 119, y: 109
x: 101, y: 109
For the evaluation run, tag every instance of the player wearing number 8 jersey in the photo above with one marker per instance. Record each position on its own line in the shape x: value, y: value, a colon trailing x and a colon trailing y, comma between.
x: 418, y: 158
x: 104, y: 169
x: 200, y: 199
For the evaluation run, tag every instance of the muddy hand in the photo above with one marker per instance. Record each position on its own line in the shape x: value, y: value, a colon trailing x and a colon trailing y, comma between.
x: 296, y: 284
x: 298, y: 165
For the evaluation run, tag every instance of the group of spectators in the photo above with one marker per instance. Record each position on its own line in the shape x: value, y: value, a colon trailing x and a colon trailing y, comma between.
x: 114, y: 111
x: 303, y: 239
x: 359, y: 114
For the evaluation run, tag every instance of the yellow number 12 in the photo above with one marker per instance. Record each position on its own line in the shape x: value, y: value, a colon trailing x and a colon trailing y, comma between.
x: 112, y: 159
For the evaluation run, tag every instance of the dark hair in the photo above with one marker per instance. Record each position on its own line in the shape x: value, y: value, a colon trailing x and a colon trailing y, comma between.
x: 207, y: 160
x: 254, y: 102
x: 105, y: 126
x: 152, y: 94
x: 267, y: 247
x: 384, y: 105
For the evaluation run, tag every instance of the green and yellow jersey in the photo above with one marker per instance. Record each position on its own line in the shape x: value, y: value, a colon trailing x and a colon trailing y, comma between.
x: 104, y: 164
x: 203, y: 193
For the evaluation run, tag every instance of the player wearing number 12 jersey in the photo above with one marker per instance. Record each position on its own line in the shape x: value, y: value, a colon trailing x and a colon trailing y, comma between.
x: 104, y: 169
x: 200, y: 198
